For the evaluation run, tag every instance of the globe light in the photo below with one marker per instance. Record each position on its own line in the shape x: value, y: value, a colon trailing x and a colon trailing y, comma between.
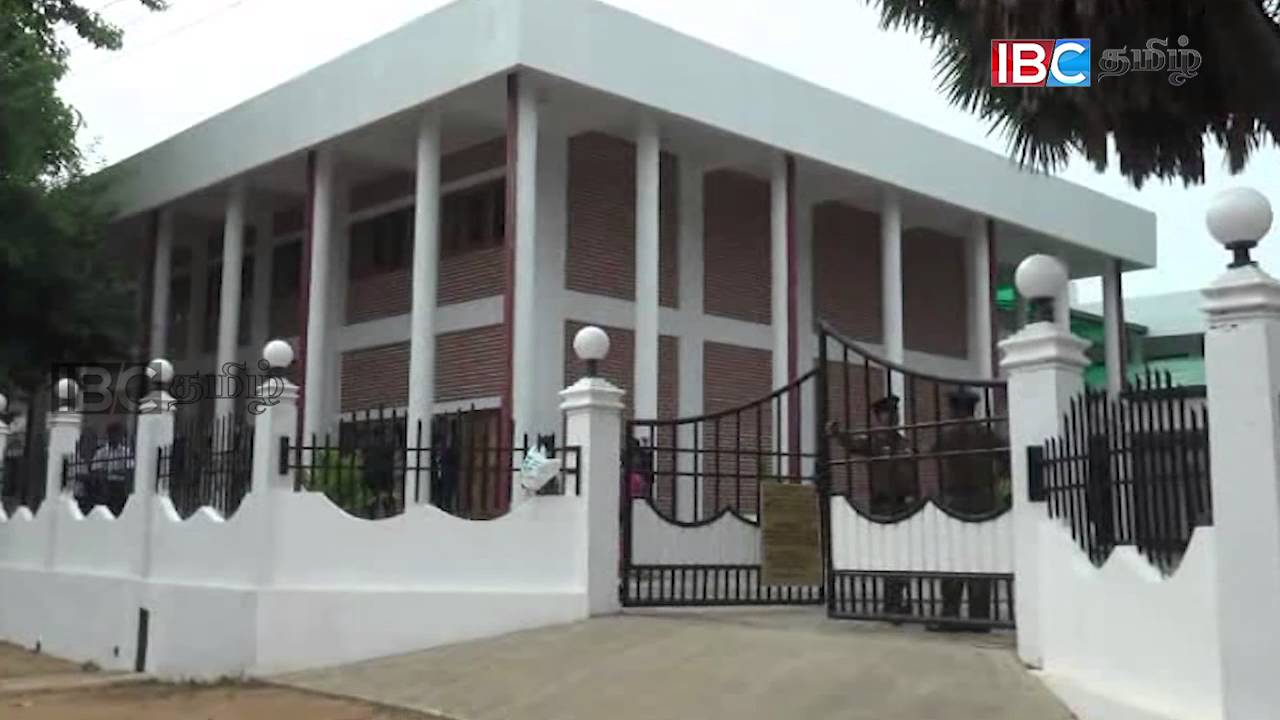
x: 66, y: 391
x: 592, y: 345
x: 1040, y: 279
x: 278, y: 354
x: 160, y: 372
x: 1238, y: 218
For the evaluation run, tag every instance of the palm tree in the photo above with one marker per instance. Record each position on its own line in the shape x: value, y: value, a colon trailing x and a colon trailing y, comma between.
x: 1158, y: 128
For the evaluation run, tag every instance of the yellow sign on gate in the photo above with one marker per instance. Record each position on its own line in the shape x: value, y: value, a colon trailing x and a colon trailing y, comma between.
x: 790, y: 534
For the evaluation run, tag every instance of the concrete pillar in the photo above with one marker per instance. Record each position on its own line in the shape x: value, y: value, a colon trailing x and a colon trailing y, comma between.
x: 426, y: 273
x: 891, y: 283
x: 160, y: 280
x: 264, y: 255
x: 1113, y: 326
x: 980, y: 299
x: 1242, y: 372
x: 690, y: 387
x: 1045, y: 369
x: 780, y: 263
x: 154, y: 431
x: 645, y: 374
x: 593, y: 421
x: 524, y: 307
x: 318, y: 300
x: 278, y: 420
x: 63, y: 425
x: 229, y: 307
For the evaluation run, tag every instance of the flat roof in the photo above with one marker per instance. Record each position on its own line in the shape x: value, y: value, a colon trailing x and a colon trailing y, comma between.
x: 616, y: 52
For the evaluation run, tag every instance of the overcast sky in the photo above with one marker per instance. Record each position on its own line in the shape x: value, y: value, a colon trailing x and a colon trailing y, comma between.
x: 203, y: 56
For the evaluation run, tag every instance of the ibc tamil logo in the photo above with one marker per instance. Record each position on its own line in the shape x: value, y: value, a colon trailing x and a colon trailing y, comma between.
x: 1040, y: 63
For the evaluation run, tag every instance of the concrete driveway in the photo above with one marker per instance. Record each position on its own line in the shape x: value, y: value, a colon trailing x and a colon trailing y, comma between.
x: 733, y: 664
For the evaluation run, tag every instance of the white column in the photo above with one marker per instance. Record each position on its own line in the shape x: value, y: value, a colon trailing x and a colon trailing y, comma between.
x: 264, y: 256
x: 1242, y: 372
x: 807, y: 352
x: 891, y: 283
x: 160, y: 281
x: 1062, y: 306
x: 4, y: 442
x: 1113, y: 326
x: 690, y: 400
x: 645, y: 373
x: 1045, y: 370
x: 980, y: 348
x: 319, y: 302
x: 63, y: 432
x: 779, y: 262
x: 593, y: 421
x: 278, y: 420
x: 229, y: 307
x: 154, y: 431
x: 524, y: 334
x: 426, y: 271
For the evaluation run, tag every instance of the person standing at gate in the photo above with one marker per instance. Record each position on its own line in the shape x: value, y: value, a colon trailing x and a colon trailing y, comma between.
x: 974, y: 460
x: 891, y: 476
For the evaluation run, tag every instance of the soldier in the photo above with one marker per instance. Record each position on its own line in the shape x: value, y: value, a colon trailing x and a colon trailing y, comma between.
x: 974, y: 460
x: 891, y: 476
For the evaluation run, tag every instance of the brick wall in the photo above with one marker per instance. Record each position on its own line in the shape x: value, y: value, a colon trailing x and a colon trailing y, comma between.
x: 734, y: 376
x: 470, y: 276
x: 846, y: 270
x: 935, y: 303
x: 375, y: 377
x: 469, y: 365
x: 601, y: 232
x: 736, y: 249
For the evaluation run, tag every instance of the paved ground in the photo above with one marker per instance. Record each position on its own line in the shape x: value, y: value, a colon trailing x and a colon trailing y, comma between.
x: 16, y: 662
x: 740, y: 665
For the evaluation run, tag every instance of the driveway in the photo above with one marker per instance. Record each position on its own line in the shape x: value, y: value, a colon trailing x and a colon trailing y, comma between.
x: 734, y: 664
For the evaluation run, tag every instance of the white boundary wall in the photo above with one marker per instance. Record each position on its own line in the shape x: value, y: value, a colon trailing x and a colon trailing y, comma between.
x: 725, y: 540
x: 334, y: 589
x: 1123, y: 642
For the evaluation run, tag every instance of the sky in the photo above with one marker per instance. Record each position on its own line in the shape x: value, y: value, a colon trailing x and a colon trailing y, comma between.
x: 201, y: 57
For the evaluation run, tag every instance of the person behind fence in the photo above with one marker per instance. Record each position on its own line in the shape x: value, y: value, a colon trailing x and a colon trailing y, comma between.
x: 639, y: 470
x: 975, y: 464
x: 111, y: 470
x: 891, y: 477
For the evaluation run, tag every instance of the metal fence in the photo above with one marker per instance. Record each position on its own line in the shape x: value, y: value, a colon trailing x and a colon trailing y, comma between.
x: 460, y: 463
x: 209, y: 465
x: 1129, y: 470
x: 100, y: 471
x: 22, y: 482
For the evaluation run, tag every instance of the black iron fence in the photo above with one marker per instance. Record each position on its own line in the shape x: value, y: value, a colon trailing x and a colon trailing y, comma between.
x: 209, y: 464
x: 460, y: 463
x: 1130, y: 470
x: 22, y: 483
x: 100, y: 471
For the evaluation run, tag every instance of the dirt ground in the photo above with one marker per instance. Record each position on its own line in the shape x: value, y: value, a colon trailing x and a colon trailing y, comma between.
x: 16, y: 662
x: 154, y: 701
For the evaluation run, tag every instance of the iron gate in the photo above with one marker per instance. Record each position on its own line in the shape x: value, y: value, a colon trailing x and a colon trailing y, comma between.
x: 915, y: 471
x: 691, y: 502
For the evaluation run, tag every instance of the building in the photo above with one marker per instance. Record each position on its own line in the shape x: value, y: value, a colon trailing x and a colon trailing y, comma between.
x: 431, y: 216
x: 1173, y: 337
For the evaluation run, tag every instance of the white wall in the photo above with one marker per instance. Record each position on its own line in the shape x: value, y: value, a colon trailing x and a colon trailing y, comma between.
x: 1122, y: 641
x: 726, y: 540
x: 929, y: 541
x: 288, y: 582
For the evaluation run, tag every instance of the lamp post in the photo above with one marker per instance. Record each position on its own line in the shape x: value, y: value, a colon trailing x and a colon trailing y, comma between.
x: 591, y: 344
x: 1040, y: 279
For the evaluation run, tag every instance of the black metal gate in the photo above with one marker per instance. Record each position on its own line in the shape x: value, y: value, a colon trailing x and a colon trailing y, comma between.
x: 691, y: 502
x: 916, y: 478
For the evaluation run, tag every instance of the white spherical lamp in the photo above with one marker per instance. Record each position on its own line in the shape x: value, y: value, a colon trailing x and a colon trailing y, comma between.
x: 592, y: 345
x: 66, y: 391
x: 1040, y: 279
x: 1238, y: 218
x: 160, y: 372
x: 278, y: 354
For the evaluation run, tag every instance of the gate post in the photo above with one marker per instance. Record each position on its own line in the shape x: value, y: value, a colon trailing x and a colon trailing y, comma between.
x: 155, y: 430
x: 63, y: 424
x: 1242, y: 372
x: 277, y: 423
x: 593, y: 421
x: 1044, y: 365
